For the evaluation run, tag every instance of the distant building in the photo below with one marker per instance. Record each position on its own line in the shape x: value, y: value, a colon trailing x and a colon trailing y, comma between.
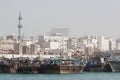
x: 118, y: 44
x: 72, y: 43
x: 47, y: 39
x: 25, y: 49
x: 34, y: 48
x: 18, y: 48
x: 112, y: 44
x: 6, y: 46
x: 53, y: 42
x: 88, y: 44
x: 103, y: 43
x: 63, y: 31
x: 11, y: 37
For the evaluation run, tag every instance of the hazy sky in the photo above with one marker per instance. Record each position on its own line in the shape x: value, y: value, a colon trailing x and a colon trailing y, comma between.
x: 82, y: 17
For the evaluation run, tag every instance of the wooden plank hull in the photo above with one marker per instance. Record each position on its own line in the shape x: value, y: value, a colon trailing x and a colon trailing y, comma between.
x: 115, y: 66
x: 62, y: 69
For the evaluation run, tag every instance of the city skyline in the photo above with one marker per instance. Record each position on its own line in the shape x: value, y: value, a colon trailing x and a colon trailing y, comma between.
x: 81, y: 17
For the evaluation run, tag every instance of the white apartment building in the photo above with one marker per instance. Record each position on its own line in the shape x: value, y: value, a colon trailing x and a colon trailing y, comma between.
x: 88, y: 44
x: 112, y: 44
x: 118, y: 44
x: 6, y: 45
x: 56, y: 41
x: 103, y: 43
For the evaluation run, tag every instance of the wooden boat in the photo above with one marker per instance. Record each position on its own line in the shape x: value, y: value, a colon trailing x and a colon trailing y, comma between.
x: 61, y: 67
x: 26, y: 66
x: 7, y: 66
x: 115, y: 66
x: 95, y: 64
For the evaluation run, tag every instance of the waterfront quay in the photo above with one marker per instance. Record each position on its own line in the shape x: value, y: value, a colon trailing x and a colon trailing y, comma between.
x: 40, y: 64
x: 59, y: 64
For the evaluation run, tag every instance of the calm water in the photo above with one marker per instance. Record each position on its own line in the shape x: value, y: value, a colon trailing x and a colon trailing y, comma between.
x: 83, y: 76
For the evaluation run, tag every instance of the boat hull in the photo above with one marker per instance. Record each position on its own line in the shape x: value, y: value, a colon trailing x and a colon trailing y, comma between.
x: 115, y: 66
x: 61, y: 69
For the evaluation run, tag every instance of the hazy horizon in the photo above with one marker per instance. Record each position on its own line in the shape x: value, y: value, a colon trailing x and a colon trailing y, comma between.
x: 82, y: 17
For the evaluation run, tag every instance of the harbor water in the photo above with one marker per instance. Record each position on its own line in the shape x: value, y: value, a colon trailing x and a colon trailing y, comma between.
x: 82, y: 76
